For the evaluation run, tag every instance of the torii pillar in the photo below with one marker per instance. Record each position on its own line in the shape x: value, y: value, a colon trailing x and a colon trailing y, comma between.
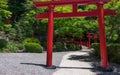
x: 50, y: 36
x: 95, y: 36
x: 103, y: 48
x: 89, y: 36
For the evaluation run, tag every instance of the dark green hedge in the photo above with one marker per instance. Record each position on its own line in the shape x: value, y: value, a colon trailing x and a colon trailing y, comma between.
x: 3, y: 43
x: 60, y: 46
x: 113, y: 52
x: 73, y: 47
x: 96, y: 52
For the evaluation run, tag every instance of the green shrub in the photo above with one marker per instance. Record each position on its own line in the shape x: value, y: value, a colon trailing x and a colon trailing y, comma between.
x: 59, y: 46
x: 96, y: 52
x: 3, y: 43
x: 33, y: 48
x: 44, y: 45
x: 20, y: 46
x: 31, y: 40
x: 11, y: 47
x: 113, y: 52
x: 73, y: 47
x: 2, y: 51
x: 7, y: 27
x: 78, y: 47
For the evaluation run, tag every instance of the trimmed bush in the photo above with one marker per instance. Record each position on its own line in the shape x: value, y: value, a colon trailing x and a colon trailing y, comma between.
x: 31, y: 40
x: 113, y: 52
x: 20, y: 46
x: 3, y: 43
x: 59, y: 46
x: 73, y: 47
x: 33, y: 48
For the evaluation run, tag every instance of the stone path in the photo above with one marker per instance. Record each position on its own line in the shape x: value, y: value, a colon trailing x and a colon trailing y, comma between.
x: 76, y: 64
x: 80, y: 63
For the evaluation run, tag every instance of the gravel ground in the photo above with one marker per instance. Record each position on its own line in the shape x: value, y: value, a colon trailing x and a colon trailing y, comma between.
x: 34, y: 63
x: 27, y: 63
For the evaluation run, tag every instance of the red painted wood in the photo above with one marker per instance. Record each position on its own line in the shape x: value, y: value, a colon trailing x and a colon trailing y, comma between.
x: 103, y: 48
x: 80, y: 0
x: 67, y: 2
x: 89, y: 41
x: 77, y: 14
x: 75, y: 7
x: 89, y: 36
x: 50, y: 36
x: 7, y: 21
x: 95, y: 38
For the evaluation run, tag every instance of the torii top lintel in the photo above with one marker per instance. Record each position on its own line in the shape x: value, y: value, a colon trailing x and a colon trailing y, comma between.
x: 74, y: 13
x: 67, y: 2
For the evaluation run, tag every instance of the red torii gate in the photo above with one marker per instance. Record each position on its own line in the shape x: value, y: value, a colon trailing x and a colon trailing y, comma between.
x: 89, y: 36
x: 100, y: 12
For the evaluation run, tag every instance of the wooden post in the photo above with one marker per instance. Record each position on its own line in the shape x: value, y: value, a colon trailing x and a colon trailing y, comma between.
x: 50, y: 36
x: 103, y: 48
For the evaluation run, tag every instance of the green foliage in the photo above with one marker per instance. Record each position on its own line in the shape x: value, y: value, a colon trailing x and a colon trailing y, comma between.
x: 11, y: 47
x: 59, y: 46
x: 78, y: 47
x: 20, y: 46
x: 3, y: 9
x: 33, y: 48
x: 63, y: 9
x: 112, y: 22
x: 12, y: 34
x: 31, y: 40
x: 3, y: 43
x: 7, y: 27
x: 19, y: 30
x: 113, y: 52
x: 73, y: 47
x: 16, y: 7
x: 4, y: 13
x: 71, y: 27
x: 96, y: 51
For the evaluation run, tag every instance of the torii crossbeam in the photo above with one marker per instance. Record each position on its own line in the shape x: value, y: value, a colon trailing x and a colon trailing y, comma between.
x: 100, y: 13
x: 107, y: 12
